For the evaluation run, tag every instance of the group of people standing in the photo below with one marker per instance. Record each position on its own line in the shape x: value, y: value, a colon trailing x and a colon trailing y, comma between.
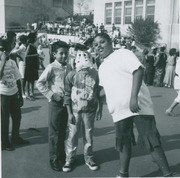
x: 74, y: 95
x: 160, y: 67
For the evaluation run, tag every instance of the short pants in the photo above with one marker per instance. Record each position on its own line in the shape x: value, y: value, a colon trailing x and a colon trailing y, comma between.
x: 146, y: 126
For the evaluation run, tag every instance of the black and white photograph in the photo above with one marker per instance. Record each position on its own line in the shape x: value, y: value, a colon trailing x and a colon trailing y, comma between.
x: 89, y: 88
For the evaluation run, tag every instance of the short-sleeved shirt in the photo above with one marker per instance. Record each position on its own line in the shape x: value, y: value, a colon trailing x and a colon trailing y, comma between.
x: 8, y: 85
x: 116, y: 76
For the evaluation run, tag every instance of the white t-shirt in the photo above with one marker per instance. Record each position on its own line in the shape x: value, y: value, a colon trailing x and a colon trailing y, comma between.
x: 116, y: 76
x: 10, y: 75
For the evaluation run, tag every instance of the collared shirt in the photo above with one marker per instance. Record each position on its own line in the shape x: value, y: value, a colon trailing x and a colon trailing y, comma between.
x: 52, y: 80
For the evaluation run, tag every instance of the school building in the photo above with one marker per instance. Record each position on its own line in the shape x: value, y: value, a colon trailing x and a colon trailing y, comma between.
x: 123, y: 12
x: 21, y: 12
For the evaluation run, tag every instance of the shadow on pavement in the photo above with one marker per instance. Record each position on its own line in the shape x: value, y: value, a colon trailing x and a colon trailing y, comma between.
x: 30, y: 109
x: 34, y: 136
x: 175, y: 170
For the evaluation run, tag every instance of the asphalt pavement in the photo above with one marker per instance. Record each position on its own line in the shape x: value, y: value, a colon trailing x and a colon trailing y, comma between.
x: 32, y: 161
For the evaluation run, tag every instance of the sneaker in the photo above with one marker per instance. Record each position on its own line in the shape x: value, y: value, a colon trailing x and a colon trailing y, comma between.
x: 67, y: 167
x: 55, y: 165
x: 92, y: 165
x: 24, y: 96
x: 170, y: 113
x: 121, y: 175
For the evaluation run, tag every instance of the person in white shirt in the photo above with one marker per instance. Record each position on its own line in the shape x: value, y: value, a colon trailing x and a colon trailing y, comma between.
x: 11, y: 98
x: 51, y: 85
x: 129, y: 102
x: 21, y: 63
x: 176, y: 101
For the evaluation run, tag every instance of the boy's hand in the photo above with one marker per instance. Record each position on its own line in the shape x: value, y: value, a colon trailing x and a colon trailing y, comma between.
x: 71, y: 119
x: 134, y: 107
x: 99, y: 114
x: 21, y: 102
x: 56, y: 97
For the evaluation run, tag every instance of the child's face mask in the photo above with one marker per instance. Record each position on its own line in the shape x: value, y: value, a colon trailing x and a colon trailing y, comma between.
x: 83, y: 60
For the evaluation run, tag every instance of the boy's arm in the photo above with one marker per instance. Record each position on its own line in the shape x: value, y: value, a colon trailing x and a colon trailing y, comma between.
x: 136, y: 85
x: 100, y: 103
x: 41, y: 83
x: 2, y: 64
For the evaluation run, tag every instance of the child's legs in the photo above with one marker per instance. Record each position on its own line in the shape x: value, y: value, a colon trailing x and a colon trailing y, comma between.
x: 72, y: 141
x: 32, y: 88
x: 56, y: 136
x: 88, y: 128
x: 175, y: 102
x: 28, y: 88
x: 62, y: 134
x: 149, y: 134
x: 15, y: 112
x: 124, y: 138
x: 5, y: 111
x: 24, y: 86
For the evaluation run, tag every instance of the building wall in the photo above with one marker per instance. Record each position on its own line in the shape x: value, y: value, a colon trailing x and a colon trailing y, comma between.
x: 2, y: 17
x: 166, y: 14
x: 29, y: 11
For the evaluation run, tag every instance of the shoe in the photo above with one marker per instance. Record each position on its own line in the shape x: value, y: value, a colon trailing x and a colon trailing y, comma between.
x: 122, y: 175
x: 67, y: 167
x: 170, y: 113
x: 92, y: 164
x: 19, y: 141
x: 30, y: 98
x: 8, y: 147
x: 55, y: 165
x: 24, y: 96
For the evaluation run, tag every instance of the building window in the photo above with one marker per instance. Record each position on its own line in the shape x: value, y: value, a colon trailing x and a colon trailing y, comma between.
x: 57, y: 3
x: 150, y: 10
x: 127, y: 12
x: 117, y: 12
x: 108, y: 13
x: 138, y: 9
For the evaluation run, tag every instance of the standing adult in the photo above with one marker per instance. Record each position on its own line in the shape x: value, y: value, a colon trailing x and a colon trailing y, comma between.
x: 150, y: 66
x: 170, y: 68
x: 160, y: 65
x: 129, y: 102
x: 31, y: 65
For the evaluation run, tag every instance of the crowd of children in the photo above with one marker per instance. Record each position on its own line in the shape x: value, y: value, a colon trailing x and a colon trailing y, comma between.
x: 73, y: 91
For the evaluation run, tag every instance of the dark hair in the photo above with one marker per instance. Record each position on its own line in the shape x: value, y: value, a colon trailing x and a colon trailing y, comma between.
x: 177, y: 53
x: 59, y: 44
x: 162, y: 48
x: 133, y: 48
x: 23, y: 39
x: 172, y: 51
x: 11, y: 35
x: 4, y: 45
x: 88, y: 42
x: 32, y: 37
x: 103, y: 35
x: 145, y: 51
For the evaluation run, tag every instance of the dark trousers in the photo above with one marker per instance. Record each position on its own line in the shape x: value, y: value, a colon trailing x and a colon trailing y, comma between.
x: 58, y: 118
x: 10, y: 107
